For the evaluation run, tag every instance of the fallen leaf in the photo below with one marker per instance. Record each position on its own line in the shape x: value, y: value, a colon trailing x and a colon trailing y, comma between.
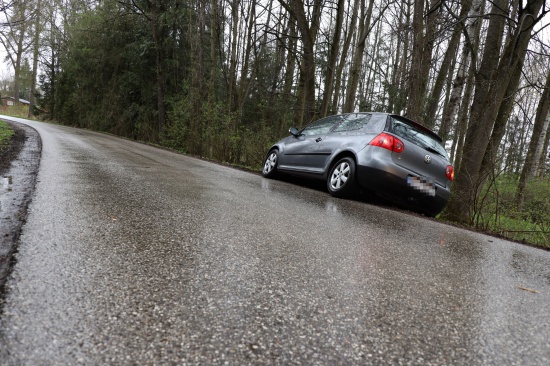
x: 528, y: 290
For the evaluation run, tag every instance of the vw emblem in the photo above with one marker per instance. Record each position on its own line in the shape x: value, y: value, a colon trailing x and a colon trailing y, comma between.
x: 427, y: 159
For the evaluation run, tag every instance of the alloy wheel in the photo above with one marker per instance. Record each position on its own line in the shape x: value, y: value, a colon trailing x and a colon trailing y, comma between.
x: 270, y: 163
x: 340, y: 175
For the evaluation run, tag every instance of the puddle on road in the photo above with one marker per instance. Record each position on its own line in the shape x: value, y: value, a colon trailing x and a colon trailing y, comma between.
x: 5, y: 186
x: 7, y: 183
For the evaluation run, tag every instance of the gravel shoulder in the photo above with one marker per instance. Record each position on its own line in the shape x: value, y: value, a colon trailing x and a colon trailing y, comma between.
x: 19, y: 164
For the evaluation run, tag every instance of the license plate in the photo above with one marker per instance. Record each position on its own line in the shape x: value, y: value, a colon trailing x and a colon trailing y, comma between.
x: 423, y: 185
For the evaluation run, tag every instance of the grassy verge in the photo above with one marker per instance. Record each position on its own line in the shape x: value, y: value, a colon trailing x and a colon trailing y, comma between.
x: 21, y: 111
x: 499, y: 213
x: 6, y: 133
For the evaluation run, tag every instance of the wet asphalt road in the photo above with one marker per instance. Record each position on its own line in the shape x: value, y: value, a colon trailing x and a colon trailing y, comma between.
x: 132, y: 255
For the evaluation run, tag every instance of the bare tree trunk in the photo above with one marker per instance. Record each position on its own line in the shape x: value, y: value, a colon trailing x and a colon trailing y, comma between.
x: 542, y: 120
x: 462, y: 124
x: 450, y: 55
x: 280, y: 55
x: 157, y: 29
x: 458, y: 85
x: 305, y: 110
x: 12, y: 37
x: 499, y: 129
x: 372, y: 79
x: 427, y: 54
x: 343, y: 57
x: 455, y: 98
x: 393, y: 88
x: 541, y: 147
x: 446, y: 103
x: 213, y: 51
x: 419, y: 72
x: 401, y: 99
x: 487, y: 102
x: 53, y: 74
x: 414, y: 98
x: 290, y: 65
x: 232, y: 79
x: 197, y: 95
x: 36, y: 46
x: 357, y: 63
x: 246, y: 80
x: 524, y: 132
x: 542, y: 168
x: 334, y: 49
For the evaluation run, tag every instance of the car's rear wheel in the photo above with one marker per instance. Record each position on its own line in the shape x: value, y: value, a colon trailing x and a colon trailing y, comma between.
x: 270, y: 164
x: 341, y: 179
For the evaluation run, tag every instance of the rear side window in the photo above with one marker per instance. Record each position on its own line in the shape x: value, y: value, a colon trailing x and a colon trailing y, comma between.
x: 364, y: 122
x: 353, y: 122
x: 377, y: 123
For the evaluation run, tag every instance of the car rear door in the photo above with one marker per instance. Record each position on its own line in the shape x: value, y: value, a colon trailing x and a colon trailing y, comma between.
x: 349, y: 135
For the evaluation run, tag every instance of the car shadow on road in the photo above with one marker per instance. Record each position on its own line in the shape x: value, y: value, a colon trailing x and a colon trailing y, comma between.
x: 362, y: 195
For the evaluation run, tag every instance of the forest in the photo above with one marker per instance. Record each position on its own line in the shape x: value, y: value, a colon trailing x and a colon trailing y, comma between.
x: 222, y: 79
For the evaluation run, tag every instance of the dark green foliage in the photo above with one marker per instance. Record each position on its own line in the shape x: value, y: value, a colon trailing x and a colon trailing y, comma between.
x: 221, y: 136
x: 106, y: 80
x: 6, y: 133
x: 497, y: 211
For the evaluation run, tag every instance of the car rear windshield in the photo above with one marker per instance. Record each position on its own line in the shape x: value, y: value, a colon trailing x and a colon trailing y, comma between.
x: 410, y: 132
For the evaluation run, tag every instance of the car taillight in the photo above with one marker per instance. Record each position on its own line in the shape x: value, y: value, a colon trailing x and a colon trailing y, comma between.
x: 388, y: 142
x: 450, y: 173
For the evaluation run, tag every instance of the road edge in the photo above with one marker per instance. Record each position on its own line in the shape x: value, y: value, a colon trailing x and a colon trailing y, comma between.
x: 17, y: 184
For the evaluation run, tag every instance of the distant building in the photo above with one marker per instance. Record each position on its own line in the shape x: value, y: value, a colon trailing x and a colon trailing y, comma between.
x: 10, y: 101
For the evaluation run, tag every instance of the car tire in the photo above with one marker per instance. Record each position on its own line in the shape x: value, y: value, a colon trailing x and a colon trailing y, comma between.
x: 271, y: 161
x: 341, y: 178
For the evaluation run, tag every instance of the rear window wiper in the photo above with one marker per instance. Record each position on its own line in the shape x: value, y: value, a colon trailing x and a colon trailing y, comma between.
x: 429, y: 148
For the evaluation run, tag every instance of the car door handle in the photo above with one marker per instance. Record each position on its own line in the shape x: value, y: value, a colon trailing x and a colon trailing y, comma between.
x: 318, y: 139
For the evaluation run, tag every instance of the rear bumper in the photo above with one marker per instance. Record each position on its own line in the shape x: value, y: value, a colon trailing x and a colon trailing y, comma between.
x: 390, y: 181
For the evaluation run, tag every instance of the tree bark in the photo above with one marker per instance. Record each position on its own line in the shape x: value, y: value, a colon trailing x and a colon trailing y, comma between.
x: 414, y: 98
x: 487, y: 102
x: 13, y: 40
x: 357, y: 63
x: 393, y: 87
x: 155, y: 17
x: 471, y: 32
x: 542, y: 168
x: 232, y: 79
x: 427, y: 54
x: 400, y: 101
x: 213, y: 51
x: 334, y: 49
x: 450, y: 55
x: 499, y: 129
x: 305, y: 110
x: 345, y: 49
x: 290, y: 68
x: 462, y: 125
x: 542, y: 120
x: 36, y: 49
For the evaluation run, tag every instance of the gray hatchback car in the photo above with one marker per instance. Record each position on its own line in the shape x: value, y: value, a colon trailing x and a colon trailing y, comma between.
x: 385, y: 153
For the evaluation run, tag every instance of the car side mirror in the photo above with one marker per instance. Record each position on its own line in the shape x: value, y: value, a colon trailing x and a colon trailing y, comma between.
x: 294, y: 131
